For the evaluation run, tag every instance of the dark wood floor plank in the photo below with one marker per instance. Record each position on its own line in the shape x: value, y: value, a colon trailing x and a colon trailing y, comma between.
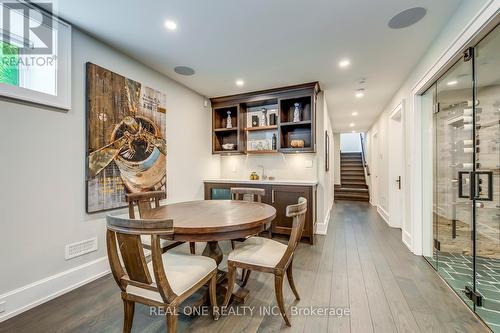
x: 339, y: 292
x: 381, y: 313
x: 322, y: 286
x: 361, y: 320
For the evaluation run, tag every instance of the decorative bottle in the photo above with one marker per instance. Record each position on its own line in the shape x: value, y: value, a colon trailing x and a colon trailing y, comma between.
x: 263, y: 119
x: 296, y: 113
x: 229, y: 123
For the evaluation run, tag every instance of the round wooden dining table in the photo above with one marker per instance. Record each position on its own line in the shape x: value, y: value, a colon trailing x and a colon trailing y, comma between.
x: 214, y: 220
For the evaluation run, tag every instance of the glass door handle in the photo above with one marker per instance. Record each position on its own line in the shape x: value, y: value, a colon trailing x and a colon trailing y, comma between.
x: 478, y: 183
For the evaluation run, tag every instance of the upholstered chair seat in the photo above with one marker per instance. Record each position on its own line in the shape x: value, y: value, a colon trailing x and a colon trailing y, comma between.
x: 183, y: 271
x: 258, y: 251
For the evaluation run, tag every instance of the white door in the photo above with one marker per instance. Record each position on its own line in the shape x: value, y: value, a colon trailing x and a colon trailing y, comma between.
x: 396, y: 159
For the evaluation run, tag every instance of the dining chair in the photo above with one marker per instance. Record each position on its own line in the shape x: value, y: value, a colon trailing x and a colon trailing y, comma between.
x: 247, y: 194
x: 145, y: 202
x: 269, y: 256
x: 164, y: 282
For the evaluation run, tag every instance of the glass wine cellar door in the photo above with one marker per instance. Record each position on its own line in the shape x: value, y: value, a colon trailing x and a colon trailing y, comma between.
x: 465, y: 231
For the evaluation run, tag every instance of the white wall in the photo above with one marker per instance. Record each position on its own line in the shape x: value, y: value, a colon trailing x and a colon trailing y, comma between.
x: 291, y: 166
x: 350, y: 143
x: 43, y: 175
x: 325, y: 179
x: 461, y: 19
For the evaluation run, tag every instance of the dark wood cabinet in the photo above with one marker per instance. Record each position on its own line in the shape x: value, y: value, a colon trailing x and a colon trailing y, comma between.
x: 278, y: 196
x: 281, y: 102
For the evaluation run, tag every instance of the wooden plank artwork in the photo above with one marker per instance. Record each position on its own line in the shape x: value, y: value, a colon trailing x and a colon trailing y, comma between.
x: 126, y: 147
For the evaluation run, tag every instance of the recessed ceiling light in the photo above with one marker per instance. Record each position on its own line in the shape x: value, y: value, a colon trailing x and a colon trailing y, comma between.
x: 351, y: 125
x: 354, y: 113
x: 240, y: 83
x: 184, y: 70
x: 452, y: 83
x: 360, y: 93
x: 170, y: 25
x: 407, y: 17
x: 344, y: 63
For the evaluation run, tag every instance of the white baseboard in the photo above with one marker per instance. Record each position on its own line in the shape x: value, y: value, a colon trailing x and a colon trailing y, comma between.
x: 383, y: 214
x: 407, y: 240
x: 36, y: 293
x: 322, y: 228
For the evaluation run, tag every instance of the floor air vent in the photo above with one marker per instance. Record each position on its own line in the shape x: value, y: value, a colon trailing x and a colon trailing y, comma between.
x: 80, y: 248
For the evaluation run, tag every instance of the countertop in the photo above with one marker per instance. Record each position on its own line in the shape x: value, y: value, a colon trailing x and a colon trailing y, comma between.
x: 270, y: 182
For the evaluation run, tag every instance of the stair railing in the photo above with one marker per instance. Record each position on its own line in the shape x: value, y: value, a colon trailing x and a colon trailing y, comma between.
x: 363, y: 158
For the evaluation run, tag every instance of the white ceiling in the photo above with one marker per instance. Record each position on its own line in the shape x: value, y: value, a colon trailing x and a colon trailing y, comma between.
x: 271, y: 44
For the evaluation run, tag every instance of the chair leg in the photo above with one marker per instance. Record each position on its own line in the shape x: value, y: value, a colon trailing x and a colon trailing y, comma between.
x: 278, y: 287
x: 213, y: 296
x: 231, y: 277
x: 243, y: 273
x: 246, y: 276
x: 232, y: 244
x: 171, y: 320
x: 192, y: 247
x: 289, y: 275
x: 128, y: 309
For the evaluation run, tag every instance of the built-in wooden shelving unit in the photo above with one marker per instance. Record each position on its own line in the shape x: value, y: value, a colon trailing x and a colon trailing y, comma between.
x: 261, y: 117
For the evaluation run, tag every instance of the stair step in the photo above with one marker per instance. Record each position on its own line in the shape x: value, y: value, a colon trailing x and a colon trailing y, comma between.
x: 352, y: 178
x: 351, y: 162
x: 344, y: 198
x: 342, y: 195
x: 353, y: 168
x: 352, y: 190
x: 354, y: 184
x: 352, y: 173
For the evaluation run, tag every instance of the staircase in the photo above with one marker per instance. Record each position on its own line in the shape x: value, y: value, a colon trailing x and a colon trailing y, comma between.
x: 352, y: 179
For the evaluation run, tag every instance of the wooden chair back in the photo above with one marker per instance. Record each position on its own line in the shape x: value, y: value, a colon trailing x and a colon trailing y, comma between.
x: 298, y: 213
x: 124, y: 235
x: 145, y: 201
x: 238, y: 193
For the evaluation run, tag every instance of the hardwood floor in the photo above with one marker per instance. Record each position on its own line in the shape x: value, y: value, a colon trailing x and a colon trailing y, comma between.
x: 361, y: 265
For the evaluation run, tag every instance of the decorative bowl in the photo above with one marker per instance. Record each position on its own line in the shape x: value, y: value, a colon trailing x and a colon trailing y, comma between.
x: 228, y: 146
x: 297, y: 143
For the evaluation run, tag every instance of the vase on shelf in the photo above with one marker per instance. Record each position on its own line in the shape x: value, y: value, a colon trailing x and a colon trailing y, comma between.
x: 263, y: 119
x: 229, y: 123
x: 296, y: 113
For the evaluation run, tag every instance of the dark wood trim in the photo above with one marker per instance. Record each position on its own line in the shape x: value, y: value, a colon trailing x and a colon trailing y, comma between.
x: 266, y: 94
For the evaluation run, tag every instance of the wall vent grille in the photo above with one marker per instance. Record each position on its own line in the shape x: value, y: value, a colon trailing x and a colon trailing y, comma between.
x: 80, y: 248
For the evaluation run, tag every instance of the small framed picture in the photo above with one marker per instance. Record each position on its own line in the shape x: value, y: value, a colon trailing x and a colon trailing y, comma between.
x: 255, y: 121
x: 327, y: 152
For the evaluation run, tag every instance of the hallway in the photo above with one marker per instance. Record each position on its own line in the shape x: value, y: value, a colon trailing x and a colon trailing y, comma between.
x: 361, y: 265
